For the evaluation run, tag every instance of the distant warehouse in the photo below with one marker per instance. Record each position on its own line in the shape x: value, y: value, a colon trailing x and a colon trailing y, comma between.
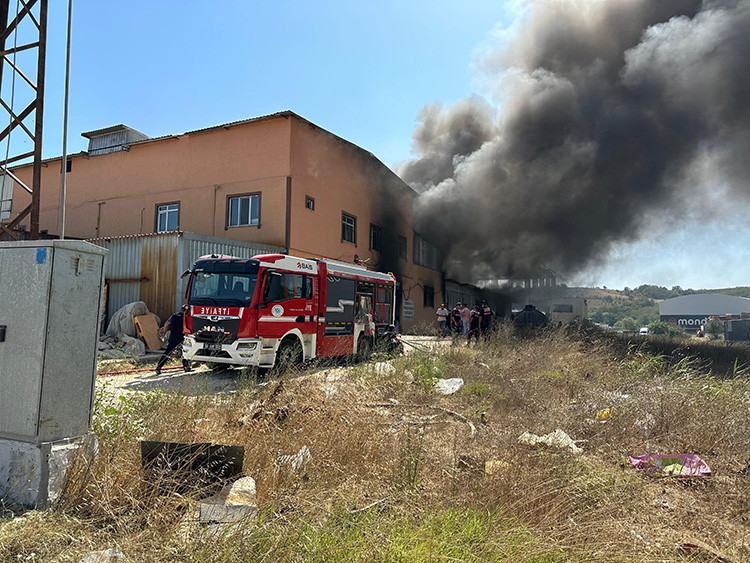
x: 693, y: 311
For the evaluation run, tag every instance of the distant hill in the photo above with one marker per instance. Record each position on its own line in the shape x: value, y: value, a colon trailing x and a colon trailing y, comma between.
x: 610, y: 306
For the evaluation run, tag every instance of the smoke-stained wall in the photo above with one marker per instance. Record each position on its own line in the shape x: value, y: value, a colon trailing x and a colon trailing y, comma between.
x: 604, y: 112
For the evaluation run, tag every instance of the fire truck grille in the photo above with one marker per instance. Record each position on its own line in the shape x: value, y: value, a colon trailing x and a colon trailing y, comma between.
x: 224, y: 331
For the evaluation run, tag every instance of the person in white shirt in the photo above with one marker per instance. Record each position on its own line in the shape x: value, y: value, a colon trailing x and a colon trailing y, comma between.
x: 442, y: 320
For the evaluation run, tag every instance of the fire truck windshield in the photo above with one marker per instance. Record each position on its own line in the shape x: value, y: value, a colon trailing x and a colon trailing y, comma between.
x: 222, y: 289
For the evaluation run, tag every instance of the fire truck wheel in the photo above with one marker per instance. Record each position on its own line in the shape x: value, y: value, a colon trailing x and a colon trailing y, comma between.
x: 288, y: 355
x: 364, y: 348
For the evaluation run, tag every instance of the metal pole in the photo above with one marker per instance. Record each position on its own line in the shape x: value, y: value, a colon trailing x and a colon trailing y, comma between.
x: 37, y: 180
x: 64, y: 160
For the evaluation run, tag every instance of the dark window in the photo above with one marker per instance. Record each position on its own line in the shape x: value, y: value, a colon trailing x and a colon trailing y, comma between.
x: 309, y: 203
x: 243, y: 211
x: 429, y: 296
x: 402, y: 247
x: 348, y: 228
x: 425, y: 254
x: 282, y: 286
x: 167, y: 217
x: 69, y: 166
x: 376, y: 238
x: 562, y: 308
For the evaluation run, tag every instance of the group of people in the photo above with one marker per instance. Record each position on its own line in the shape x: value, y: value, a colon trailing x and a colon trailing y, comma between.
x: 467, y: 322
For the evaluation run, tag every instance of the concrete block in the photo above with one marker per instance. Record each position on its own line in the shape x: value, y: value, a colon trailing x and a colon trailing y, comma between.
x: 33, y: 474
x: 235, y: 502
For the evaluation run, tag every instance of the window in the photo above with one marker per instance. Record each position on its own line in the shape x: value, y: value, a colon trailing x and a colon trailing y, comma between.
x: 376, y: 238
x: 167, y: 217
x: 562, y: 308
x: 402, y: 247
x: 281, y: 286
x: 309, y: 203
x: 425, y: 254
x: 6, y: 196
x: 429, y: 296
x: 348, y: 228
x: 243, y: 210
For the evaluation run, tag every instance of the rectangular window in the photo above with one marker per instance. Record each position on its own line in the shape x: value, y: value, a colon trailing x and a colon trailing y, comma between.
x: 402, y: 247
x: 425, y: 254
x: 6, y: 196
x: 309, y: 203
x: 167, y: 217
x: 282, y: 286
x: 429, y: 296
x: 243, y: 210
x: 348, y: 228
x: 376, y: 238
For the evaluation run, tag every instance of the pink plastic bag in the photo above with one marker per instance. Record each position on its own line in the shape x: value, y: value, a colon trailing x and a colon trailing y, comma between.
x: 678, y: 465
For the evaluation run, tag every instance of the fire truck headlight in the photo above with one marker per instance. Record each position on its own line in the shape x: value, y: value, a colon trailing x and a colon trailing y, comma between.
x: 247, y: 345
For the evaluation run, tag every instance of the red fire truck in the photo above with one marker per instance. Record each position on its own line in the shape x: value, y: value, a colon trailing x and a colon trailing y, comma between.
x: 275, y: 310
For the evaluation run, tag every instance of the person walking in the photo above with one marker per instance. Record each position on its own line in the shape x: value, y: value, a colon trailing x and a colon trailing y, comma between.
x: 174, y: 325
x: 442, y: 320
x: 465, y: 319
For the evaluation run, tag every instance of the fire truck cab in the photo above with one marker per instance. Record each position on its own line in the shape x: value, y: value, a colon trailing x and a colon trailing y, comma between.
x: 277, y: 310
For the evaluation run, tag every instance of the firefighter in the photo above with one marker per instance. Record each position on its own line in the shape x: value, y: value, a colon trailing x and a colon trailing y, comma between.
x: 488, y: 317
x: 475, y: 319
x: 456, y: 318
x: 174, y: 325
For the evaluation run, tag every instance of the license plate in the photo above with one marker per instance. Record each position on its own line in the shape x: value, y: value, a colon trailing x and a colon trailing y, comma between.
x: 212, y: 346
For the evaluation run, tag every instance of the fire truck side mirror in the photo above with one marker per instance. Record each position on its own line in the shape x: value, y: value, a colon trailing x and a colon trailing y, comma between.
x: 185, y: 274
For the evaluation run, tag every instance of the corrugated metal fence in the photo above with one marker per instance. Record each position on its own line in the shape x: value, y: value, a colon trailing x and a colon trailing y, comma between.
x: 148, y: 267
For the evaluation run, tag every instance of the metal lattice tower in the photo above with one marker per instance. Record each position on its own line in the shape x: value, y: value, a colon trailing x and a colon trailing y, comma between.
x: 35, y: 37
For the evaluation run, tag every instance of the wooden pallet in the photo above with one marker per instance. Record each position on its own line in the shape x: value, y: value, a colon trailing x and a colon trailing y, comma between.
x: 148, y: 331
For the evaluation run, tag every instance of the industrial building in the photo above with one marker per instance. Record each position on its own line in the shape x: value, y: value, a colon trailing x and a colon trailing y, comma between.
x: 277, y: 180
x: 693, y: 311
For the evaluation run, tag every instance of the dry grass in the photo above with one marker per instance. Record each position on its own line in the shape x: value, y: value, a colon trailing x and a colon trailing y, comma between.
x: 377, y: 434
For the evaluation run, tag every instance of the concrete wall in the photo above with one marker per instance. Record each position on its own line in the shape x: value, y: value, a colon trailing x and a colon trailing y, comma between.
x: 284, y: 158
x: 241, y: 159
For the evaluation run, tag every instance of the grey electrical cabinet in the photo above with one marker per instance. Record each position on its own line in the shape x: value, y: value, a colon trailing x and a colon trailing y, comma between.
x: 50, y: 299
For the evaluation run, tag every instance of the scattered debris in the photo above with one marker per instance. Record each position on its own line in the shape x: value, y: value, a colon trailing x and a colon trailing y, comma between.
x: 678, y: 465
x: 131, y: 346
x: 235, y: 502
x: 384, y: 368
x: 645, y: 424
x: 457, y: 416
x: 556, y: 439
x: 111, y: 555
x: 449, y: 386
x: 296, y: 461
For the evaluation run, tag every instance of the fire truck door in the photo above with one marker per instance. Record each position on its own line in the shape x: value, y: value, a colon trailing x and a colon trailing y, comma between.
x: 289, y: 304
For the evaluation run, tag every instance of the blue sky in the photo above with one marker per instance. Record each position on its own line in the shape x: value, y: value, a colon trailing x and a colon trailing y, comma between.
x: 362, y: 70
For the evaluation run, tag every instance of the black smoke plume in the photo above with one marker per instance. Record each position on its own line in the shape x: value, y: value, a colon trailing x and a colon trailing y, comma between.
x: 606, y: 113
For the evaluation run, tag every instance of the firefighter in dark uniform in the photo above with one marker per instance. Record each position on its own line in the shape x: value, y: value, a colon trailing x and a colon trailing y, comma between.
x: 456, y: 323
x: 475, y: 320
x: 488, y: 317
x: 174, y: 325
